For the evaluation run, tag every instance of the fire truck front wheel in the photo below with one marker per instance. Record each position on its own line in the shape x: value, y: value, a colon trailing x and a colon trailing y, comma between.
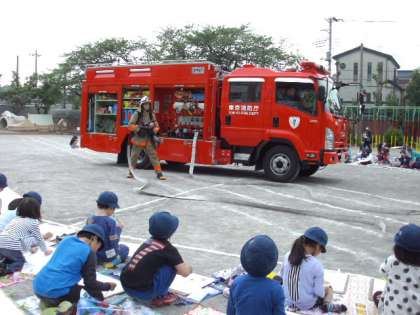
x: 281, y: 164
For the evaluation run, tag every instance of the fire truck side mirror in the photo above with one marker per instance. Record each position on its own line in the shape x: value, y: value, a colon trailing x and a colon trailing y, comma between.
x: 321, y: 93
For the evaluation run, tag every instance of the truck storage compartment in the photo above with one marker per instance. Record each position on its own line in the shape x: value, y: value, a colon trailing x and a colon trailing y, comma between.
x: 180, y: 111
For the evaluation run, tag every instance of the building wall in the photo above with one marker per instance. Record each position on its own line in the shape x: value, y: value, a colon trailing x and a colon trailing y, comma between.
x: 346, y: 75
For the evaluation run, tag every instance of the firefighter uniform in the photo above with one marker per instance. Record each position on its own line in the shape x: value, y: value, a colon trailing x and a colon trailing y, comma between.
x: 142, y: 138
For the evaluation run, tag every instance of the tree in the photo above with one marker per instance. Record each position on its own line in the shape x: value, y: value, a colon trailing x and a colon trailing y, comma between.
x: 16, y: 94
x: 230, y: 47
x: 413, y: 90
x: 70, y: 74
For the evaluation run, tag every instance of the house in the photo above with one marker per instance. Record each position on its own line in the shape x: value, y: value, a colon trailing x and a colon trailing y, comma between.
x: 371, y: 71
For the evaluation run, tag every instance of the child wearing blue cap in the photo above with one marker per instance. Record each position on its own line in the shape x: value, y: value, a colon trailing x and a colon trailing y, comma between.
x: 303, y: 274
x: 112, y: 252
x: 152, y: 269
x: 402, y: 271
x: 254, y: 293
x: 73, y: 260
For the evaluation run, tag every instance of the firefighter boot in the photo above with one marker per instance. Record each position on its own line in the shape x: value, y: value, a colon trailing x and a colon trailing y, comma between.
x: 159, y: 174
x: 130, y: 175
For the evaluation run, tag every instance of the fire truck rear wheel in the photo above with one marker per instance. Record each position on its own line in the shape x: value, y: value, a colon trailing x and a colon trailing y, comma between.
x: 310, y: 170
x: 143, y: 162
x: 281, y: 164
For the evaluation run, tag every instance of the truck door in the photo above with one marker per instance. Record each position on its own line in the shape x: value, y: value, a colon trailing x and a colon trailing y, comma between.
x: 242, y: 111
x: 295, y: 110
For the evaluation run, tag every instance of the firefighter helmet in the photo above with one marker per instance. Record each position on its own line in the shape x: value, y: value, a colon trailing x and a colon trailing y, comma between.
x: 144, y: 100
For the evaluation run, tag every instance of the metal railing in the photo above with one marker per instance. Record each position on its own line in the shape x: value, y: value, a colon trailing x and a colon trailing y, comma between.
x: 380, y: 119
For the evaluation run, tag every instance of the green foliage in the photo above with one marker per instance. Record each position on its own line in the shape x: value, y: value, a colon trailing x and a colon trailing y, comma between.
x: 413, y: 90
x: 392, y: 100
x: 230, y: 47
x: 394, y: 132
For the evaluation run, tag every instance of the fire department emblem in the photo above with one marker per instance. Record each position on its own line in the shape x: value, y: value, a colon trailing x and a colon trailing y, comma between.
x: 294, y: 122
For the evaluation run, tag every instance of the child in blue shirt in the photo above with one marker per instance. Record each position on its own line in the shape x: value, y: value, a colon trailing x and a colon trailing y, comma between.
x: 254, y: 293
x: 303, y: 274
x: 73, y: 260
x: 112, y: 252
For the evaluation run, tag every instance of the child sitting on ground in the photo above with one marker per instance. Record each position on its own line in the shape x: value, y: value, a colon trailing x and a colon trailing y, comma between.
x: 73, y: 260
x: 254, y: 293
x: 21, y: 234
x: 402, y: 270
x: 112, y: 252
x: 303, y: 274
x: 152, y: 269
x: 10, y: 214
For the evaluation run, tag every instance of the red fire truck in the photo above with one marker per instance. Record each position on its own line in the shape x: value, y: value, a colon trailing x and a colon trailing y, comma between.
x: 284, y: 122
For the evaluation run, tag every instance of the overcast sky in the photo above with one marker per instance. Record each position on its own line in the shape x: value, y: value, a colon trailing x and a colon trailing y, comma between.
x: 55, y: 26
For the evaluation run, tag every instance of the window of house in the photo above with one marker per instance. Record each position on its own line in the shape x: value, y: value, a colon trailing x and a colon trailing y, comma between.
x: 369, y: 71
x: 380, y: 71
x: 298, y: 95
x: 355, y: 72
x: 245, y: 92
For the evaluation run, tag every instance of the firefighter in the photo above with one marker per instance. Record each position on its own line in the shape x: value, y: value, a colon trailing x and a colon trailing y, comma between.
x: 144, y: 126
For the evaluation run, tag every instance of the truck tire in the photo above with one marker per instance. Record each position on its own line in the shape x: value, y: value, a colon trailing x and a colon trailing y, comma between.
x: 281, y: 164
x: 310, y: 170
x: 143, y: 161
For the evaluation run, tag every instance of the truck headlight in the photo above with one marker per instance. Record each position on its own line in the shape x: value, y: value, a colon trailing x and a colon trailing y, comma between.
x: 329, y: 139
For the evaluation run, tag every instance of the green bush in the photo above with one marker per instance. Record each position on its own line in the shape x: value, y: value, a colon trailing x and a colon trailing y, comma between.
x: 394, y: 132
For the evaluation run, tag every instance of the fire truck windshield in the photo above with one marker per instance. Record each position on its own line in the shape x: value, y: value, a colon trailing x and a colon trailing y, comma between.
x: 332, y: 100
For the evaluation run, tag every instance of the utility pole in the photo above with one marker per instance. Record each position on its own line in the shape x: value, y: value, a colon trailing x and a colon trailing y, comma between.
x: 65, y: 90
x: 17, y: 71
x: 361, y: 68
x: 36, y: 55
x: 330, y: 21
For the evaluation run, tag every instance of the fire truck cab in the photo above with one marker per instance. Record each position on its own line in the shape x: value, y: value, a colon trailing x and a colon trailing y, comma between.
x: 284, y: 122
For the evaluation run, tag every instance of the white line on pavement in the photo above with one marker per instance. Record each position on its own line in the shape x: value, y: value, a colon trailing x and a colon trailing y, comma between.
x: 373, y: 195
x: 227, y: 208
x: 199, y: 249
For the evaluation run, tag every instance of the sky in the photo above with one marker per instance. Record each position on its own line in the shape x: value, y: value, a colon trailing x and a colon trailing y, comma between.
x: 54, y: 27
